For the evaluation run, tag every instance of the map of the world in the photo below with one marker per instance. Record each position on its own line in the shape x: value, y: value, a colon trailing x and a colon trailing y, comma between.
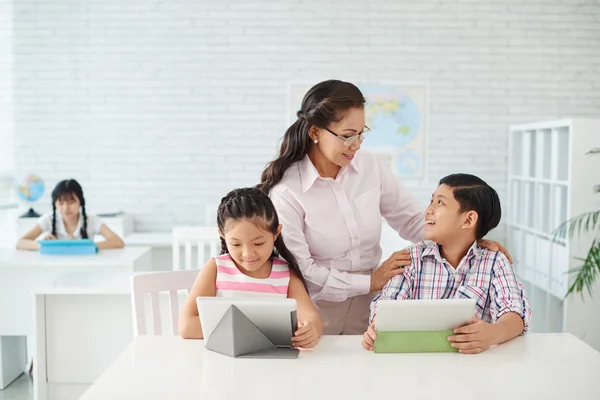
x: 397, y: 118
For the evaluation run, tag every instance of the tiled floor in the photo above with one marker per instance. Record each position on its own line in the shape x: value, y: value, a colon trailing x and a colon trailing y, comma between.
x: 21, y: 389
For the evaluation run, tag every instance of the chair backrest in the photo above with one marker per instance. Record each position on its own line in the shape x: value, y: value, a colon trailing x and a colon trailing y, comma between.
x: 203, y: 239
x: 154, y: 284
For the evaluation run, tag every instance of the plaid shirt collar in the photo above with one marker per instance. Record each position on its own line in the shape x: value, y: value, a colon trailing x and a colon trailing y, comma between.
x: 433, y: 250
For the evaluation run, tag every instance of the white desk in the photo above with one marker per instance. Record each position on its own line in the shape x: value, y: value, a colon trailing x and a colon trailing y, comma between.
x: 83, y: 321
x: 150, y: 239
x: 22, y: 271
x: 161, y: 244
x: 132, y: 258
x: 539, y: 366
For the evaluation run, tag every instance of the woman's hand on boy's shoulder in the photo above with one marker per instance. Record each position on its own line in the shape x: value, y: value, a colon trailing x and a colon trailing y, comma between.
x: 495, y: 246
x: 390, y: 268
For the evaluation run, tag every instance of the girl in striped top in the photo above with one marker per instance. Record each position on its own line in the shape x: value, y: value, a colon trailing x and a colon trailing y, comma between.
x: 254, y: 262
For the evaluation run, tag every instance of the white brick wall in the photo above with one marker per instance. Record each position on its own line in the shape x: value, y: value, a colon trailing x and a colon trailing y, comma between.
x: 6, y: 97
x: 159, y: 108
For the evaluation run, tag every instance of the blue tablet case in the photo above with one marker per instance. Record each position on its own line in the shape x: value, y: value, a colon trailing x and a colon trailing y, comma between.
x: 68, y: 247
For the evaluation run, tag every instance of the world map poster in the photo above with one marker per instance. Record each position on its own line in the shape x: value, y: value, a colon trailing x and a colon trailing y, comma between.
x: 397, y: 116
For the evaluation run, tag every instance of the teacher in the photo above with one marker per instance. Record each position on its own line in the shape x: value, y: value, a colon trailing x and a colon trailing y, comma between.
x: 330, y: 199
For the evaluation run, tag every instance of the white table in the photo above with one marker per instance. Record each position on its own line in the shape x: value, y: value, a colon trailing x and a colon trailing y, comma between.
x: 161, y: 244
x: 538, y: 366
x: 22, y: 271
x: 83, y: 321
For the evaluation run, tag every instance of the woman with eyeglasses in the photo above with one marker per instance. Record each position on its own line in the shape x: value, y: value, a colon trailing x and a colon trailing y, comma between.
x: 330, y: 198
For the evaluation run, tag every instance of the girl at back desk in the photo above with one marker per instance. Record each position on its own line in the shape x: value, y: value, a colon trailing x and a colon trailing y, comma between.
x: 69, y: 220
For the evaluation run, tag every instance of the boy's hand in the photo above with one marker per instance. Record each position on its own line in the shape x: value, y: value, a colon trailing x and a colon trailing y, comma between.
x: 475, y: 337
x: 306, y: 336
x: 369, y: 337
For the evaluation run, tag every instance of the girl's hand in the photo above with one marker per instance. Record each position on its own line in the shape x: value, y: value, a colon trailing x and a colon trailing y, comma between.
x: 369, y: 337
x: 50, y: 237
x: 306, y: 336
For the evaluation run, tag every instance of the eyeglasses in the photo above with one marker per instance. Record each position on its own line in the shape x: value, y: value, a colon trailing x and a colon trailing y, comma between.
x: 349, y: 141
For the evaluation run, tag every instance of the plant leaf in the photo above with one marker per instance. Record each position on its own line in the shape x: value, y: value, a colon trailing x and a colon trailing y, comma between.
x: 586, y: 273
x: 593, y: 151
x: 583, y: 223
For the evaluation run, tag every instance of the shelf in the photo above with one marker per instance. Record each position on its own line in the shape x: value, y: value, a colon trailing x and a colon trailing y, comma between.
x: 535, y: 232
x: 563, y: 123
x: 540, y: 260
x: 550, y: 180
x: 540, y: 154
x: 538, y: 180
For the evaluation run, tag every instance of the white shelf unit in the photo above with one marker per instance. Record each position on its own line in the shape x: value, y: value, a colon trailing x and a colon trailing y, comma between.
x: 550, y: 180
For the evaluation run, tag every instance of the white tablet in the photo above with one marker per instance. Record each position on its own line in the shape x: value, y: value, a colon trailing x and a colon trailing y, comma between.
x: 276, y: 318
x: 423, y: 315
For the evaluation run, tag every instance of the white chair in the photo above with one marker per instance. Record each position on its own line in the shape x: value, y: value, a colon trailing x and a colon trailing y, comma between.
x: 155, y: 283
x: 201, y: 237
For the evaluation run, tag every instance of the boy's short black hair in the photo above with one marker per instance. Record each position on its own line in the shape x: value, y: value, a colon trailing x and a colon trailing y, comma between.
x: 474, y: 194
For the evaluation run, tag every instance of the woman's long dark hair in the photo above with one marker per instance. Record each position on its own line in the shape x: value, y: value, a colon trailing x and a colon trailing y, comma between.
x: 324, y: 104
x: 69, y: 188
x: 254, y: 205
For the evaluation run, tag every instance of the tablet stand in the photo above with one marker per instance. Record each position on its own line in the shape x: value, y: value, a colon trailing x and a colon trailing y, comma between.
x: 236, y: 336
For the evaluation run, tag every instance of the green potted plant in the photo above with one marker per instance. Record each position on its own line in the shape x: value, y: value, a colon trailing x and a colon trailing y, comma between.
x: 587, y: 223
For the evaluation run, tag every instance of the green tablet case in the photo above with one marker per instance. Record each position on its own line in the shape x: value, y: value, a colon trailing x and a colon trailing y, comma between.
x: 413, y: 342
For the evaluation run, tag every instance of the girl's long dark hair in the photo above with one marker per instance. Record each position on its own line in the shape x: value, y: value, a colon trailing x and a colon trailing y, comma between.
x: 254, y: 205
x: 68, y: 189
x: 324, y: 104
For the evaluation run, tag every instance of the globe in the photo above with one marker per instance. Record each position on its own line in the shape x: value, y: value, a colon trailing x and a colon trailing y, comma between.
x: 30, y: 188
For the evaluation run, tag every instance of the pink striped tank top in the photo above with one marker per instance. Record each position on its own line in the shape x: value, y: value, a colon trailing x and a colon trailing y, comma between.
x: 231, y: 282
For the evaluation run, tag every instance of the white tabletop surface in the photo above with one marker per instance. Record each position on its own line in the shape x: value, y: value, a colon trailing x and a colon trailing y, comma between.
x: 537, y: 366
x: 153, y: 239
x: 22, y: 258
x: 87, y: 283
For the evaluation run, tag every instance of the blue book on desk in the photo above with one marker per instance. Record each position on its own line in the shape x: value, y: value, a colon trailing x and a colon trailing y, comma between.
x: 68, y: 247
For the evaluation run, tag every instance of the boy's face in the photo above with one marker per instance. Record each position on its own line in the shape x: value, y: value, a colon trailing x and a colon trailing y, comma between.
x: 443, y: 219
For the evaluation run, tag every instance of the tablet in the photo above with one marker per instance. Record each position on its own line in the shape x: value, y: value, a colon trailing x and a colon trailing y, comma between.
x: 66, y: 242
x: 423, y: 315
x: 275, y: 318
x: 68, y: 247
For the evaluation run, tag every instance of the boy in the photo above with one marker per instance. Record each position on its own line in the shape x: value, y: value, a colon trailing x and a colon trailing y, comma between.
x: 449, y: 264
